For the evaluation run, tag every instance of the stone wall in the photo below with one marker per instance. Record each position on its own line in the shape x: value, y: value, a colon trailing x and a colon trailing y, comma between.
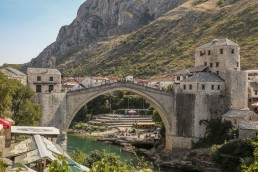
x: 53, y: 108
x: 237, y: 89
x: 247, y: 133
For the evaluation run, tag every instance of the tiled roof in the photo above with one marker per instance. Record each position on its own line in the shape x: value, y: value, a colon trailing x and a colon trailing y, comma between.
x: 198, y: 69
x: 43, y: 71
x: 11, y: 71
x: 254, y: 85
x: 182, y: 72
x: 248, y: 125
x: 203, y: 77
x: 218, y: 42
x: 238, y: 113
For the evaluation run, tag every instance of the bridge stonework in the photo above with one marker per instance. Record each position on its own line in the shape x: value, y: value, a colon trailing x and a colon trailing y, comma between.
x: 180, y: 112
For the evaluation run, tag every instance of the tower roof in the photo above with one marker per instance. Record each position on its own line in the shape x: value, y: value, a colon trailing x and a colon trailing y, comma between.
x: 218, y: 42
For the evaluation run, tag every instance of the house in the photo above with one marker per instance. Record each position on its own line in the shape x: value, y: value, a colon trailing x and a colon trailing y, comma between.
x: 161, y: 83
x: 248, y: 129
x: 44, y: 80
x: 252, y: 74
x: 203, y: 82
x: 236, y: 116
x: 253, y: 92
x: 142, y: 82
x: 93, y: 81
x: 69, y: 84
x: 15, y: 74
x: 181, y: 75
x: 111, y: 79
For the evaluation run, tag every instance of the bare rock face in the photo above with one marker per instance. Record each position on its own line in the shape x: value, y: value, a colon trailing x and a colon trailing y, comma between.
x: 101, y: 19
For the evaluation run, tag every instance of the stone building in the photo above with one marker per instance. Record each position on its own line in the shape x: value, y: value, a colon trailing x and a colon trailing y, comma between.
x: 220, y: 55
x: 44, y: 80
x: 203, y: 82
x: 212, y: 87
x: 15, y: 74
x: 248, y: 129
x: 236, y: 116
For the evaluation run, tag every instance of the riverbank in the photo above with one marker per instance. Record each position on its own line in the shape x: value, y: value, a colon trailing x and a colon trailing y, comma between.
x: 190, y: 160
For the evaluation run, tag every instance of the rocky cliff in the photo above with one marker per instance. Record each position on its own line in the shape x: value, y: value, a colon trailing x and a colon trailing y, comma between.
x: 148, y: 37
x: 100, y: 20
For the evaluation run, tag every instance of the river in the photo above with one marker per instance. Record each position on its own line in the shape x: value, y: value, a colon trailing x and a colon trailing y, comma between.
x: 88, y: 144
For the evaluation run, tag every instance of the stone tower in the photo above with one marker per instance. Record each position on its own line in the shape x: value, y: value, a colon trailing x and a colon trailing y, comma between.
x: 220, y: 55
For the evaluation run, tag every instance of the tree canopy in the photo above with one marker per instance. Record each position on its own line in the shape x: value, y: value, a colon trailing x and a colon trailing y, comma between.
x: 17, y: 102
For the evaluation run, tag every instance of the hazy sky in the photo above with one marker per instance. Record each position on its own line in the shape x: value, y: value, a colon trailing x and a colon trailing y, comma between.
x: 28, y: 26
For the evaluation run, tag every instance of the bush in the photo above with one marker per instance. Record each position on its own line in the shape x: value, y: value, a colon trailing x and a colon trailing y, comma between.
x: 217, y: 131
x: 229, y: 155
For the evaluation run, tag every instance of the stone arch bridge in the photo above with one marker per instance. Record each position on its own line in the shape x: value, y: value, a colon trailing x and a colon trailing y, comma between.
x: 179, y: 111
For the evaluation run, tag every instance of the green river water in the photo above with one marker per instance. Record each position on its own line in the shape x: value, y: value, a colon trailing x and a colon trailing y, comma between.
x: 88, y: 144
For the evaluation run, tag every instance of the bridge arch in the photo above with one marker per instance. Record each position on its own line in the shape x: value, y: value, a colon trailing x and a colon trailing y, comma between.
x: 160, y: 100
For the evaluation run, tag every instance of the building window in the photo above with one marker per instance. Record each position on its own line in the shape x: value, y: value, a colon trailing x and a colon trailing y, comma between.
x: 50, y: 88
x: 217, y: 64
x: 38, y: 88
x: 256, y: 92
x: 178, y: 78
x: 200, y: 53
x: 233, y: 51
x: 51, y: 78
x: 38, y: 78
x: 218, y: 87
x: 209, y: 52
x: 205, y: 63
x: 203, y: 87
x: 184, y: 77
x: 212, y: 87
x: 190, y: 87
x: 184, y: 86
x: 221, y: 51
x: 237, y: 64
x: 211, y: 64
x: 235, y: 121
x: 217, y: 72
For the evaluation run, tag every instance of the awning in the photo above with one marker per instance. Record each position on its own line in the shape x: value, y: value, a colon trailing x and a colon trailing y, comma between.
x: 5, y: 123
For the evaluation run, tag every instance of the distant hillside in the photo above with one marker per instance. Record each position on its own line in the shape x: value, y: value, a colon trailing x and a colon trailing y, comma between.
x: 161, y: 46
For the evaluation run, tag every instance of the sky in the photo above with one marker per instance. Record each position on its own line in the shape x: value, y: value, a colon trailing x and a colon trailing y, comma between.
x: 29, y: 26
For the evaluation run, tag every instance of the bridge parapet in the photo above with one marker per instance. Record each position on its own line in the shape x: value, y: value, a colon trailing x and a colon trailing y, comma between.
x: 122, y: 84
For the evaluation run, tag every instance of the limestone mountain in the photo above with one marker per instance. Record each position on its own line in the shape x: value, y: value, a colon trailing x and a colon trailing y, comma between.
x: 148, y: 37
x: 101, y: 19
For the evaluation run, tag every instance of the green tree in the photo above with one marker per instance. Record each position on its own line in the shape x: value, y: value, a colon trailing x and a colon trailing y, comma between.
x: 59, y: 165
x: 156, y: 117
x: 17, y: 102
x: 253, y: 167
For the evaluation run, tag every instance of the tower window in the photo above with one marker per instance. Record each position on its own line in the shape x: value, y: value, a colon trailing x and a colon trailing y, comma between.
x: 203, y: 87
x: 178, y: 78
x: 38, y: 78
x: 218, y: 87
x: 51, y: 78
x: 256, y: 92
x: 217, y: 72
x: 212, y: 87
x: 221, y: 51
x: 190, y: 87
x: 233, y: 51
x: 211, y: 64
x: 217, y: 64
x: 184, y: 86
x: 200, y: 53
x: 237, y: 64
x: 205, y: 63
x: 209, y: 52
